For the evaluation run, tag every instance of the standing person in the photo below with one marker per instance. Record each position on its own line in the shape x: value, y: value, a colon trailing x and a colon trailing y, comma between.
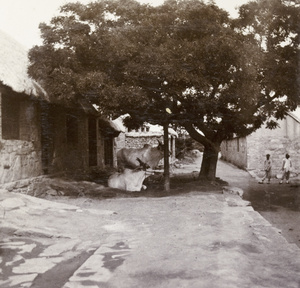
x: 286, y: 167
x: 268, y: 169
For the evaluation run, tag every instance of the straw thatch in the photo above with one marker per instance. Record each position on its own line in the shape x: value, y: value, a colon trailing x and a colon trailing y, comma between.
x: 13, y: 67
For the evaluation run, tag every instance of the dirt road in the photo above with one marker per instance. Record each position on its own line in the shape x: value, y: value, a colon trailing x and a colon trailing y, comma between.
x: 279, y: 204
x: 198, y: 239
x: 194, y: 237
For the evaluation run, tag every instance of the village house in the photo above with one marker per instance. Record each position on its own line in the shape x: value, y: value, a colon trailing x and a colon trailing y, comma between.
x: 250, y: 152
x: 147, y: 134
x: 20, y: 132
x: 42, y: 138
x: 107, y: 132
x: 74, y: 139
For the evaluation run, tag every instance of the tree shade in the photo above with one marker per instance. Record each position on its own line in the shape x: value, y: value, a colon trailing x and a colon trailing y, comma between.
x: 184, y: 62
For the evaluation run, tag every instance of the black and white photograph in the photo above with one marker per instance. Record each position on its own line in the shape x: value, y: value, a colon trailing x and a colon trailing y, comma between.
x: 150, y: 144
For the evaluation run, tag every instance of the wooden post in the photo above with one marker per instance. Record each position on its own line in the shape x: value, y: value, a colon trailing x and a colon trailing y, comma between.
x: 166, y: 158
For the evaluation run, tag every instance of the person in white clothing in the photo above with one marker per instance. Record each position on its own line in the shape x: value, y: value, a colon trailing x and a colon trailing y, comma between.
x: 286, y: 167
x: 267, y: 169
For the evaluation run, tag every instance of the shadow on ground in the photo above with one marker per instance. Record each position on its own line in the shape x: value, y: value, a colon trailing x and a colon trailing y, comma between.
x: 179, y: 184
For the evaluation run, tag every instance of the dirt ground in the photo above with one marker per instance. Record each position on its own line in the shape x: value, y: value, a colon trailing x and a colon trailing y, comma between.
x: 270, y: 201
x: 278, y: 204
x: 91, y: 219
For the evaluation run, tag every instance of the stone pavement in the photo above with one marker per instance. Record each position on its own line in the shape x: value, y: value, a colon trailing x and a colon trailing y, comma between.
x: 191, y: 240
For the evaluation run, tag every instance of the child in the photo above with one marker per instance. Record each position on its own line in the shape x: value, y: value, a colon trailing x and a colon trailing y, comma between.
x: 267, y: 168
x: 286, y: 167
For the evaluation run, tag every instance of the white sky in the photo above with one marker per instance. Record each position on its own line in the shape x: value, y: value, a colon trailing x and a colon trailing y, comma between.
x: 21, y: 18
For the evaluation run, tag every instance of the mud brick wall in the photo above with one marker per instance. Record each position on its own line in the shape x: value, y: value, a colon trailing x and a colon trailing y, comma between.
x: 66, y: 152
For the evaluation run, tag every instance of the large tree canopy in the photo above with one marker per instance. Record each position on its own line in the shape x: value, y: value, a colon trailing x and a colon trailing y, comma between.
x: 275, y: 24
x: 184, y: 56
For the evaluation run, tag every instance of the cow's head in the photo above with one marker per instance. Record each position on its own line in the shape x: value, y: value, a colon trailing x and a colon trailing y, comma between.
x: 143, y: 165
x: 160, y: 146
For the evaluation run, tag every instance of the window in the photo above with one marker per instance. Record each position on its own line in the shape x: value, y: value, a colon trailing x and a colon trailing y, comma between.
x: 72, y: 129
x: 10, y: 109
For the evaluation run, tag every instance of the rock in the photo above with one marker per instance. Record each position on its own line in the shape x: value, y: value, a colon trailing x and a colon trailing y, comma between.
x: 195, y: 153
x: 233, y: 190
x: 10, y: 186
x: 100, y: 187
x: 60, y: 193
x: 39, y: 188
x: 22, y: 183
x: 12, y: 203
x: 52, y: 192
x: 34, y: 233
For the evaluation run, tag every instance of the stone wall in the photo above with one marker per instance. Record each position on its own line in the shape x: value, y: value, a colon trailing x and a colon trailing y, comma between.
x: 277, y: 148
x: 139, y: 142
x: 253, y: 150
x: 235, y: 151
x: 21, y: 158
x: 278, y: 142
x: 25, y: 186
x: 125, y: 141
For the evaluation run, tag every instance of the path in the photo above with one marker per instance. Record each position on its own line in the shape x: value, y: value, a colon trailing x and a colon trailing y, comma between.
x: 198, y: 239
x: 279, y: 204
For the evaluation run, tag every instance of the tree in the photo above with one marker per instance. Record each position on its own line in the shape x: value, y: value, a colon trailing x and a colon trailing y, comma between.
x: 184, y: 57
x: 275, y: 26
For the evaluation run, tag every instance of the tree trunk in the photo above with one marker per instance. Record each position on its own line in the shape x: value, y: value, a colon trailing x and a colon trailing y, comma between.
x: 211, y: 151
x: 209, y: 163
x: 166, y: 158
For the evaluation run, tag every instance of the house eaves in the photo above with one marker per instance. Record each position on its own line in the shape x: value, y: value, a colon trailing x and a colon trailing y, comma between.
x: 108, y: 127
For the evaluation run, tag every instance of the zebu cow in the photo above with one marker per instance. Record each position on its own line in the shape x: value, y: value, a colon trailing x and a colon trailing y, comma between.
x: 128, y: 157
x: 130, y: 179
x: 134, y: 163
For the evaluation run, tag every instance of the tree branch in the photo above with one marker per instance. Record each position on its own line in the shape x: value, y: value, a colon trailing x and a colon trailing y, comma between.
x: 197, y: 136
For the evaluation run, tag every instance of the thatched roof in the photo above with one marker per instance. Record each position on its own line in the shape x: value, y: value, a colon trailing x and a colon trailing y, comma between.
x: 13, y: 67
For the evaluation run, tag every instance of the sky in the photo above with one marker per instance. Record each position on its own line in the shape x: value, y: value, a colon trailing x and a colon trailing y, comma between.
x: 21, y: 18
